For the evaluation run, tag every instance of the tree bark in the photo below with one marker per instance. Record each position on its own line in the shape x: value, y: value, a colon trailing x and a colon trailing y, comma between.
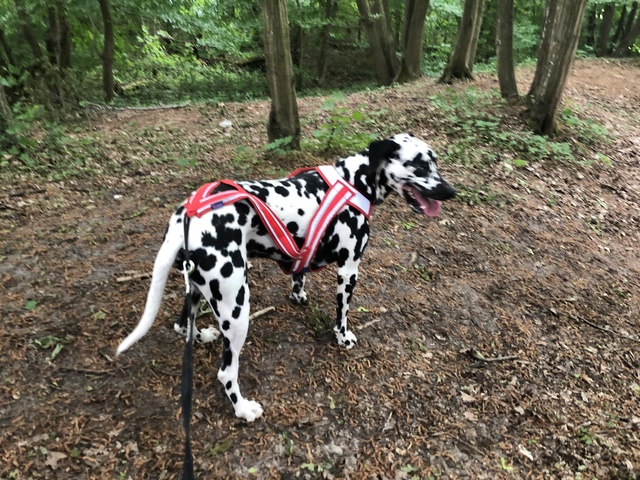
x: 330, y: 11
x: 27, y: 31
x: 460, y: 64
x: 504, y: 49
x: 620, y: 26
x: 604, y: 33
x: 108, y: 51
x: 628, y: 39
x: 559, y: 42
x: 380, y: 38
x: 283, y: 117
x: 412, y: 35
x: 7, y: 49
x: 52, y: 41
x: 65, y: 36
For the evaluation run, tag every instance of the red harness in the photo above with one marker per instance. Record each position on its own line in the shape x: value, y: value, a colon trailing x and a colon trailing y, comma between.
x: 339, y: 194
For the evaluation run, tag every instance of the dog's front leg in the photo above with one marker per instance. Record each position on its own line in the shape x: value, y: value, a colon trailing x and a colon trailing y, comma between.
x: 347, y: 279
x: 298, y: 295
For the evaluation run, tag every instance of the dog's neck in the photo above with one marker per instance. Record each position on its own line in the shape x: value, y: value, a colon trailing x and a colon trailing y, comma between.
x: 368, y: 180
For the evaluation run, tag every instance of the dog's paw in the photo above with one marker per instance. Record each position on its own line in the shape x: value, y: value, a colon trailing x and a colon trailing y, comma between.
x: 180, y: 330
x: 207, y: 335
x: 346, y: 339
x: 249, y: 410
x: 299, y: 298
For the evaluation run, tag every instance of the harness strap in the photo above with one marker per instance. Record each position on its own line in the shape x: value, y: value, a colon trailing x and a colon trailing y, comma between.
x: 339, y: 194
x: 186, y: 387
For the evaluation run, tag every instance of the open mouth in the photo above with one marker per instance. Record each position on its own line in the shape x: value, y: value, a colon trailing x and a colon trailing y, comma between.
x: 420, y: 203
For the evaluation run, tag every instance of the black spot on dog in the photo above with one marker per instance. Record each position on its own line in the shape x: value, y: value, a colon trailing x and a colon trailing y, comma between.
x: 243, y: 211
x: 300, y: 212
x: 203, y: 260
x: 236, y: 259
x: 226, y: 325
x: 234, y: 398
x: 240, y: 296
x: 292, y: 227
x: 228, y: 385
x: 214, y: 286
x: 281, y: 190
x: 226, y: 270
x: 236, y: 312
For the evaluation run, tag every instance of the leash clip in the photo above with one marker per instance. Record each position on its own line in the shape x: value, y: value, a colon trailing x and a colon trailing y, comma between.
x: 187, y: 269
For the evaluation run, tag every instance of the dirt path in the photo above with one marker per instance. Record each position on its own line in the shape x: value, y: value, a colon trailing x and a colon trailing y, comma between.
x: 532, y: 264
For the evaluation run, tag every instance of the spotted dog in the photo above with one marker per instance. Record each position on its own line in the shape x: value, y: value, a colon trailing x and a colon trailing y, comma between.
x: 222, y: 240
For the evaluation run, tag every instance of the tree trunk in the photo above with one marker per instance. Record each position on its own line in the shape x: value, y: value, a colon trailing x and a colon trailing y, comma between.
x: 604, y: 34
x: 591, y: 26
x: 380, y: 38
x: 330, y: 11
x: 460, y: 64
x: 412, y: 34
x: 65, y: 36
x: 27, y: 31
x: 6, y: 48
x: 620, y: 26
x: 628, y: 39
x: 52, y: 41
x: 283, y: 118
x: 504, y: 49
x: 108, y: 82
x: 558, y: 45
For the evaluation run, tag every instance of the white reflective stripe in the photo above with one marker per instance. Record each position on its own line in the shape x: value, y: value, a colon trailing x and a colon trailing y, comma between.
x: 311, y: 248
x: 332, y: 176
x: 273, y: 223
x: 209, y: 204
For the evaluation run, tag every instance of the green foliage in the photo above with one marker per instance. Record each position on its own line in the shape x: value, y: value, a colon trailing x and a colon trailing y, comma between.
x: 339, y: 132
x: 476, y: 120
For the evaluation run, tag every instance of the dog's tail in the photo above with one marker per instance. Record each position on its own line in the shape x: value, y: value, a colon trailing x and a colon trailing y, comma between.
x: 161, y: 268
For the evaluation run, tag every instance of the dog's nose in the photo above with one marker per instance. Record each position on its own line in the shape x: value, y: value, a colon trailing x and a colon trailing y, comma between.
x: 444, y: 191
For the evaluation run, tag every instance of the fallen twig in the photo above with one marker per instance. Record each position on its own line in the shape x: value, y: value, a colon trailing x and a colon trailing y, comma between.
x: 481, y: 358
x: 135, y: 276
x: 368, y: 324
x: 97, y: 106
x: 261, y: 312
x: 604, y: 329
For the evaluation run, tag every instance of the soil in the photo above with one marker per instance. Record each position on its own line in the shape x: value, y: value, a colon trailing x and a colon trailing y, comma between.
x: 498, y: 340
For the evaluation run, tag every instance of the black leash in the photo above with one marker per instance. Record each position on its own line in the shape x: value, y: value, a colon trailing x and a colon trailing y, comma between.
x: 187, y: 360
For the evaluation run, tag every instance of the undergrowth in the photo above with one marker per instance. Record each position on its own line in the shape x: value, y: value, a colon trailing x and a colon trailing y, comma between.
x: 482, y: 126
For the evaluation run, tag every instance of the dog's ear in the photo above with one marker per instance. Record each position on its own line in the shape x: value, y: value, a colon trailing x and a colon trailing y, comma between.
x: 381, y: 150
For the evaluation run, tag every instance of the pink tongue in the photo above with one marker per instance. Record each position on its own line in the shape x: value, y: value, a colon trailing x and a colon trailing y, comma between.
x: 430, y: 207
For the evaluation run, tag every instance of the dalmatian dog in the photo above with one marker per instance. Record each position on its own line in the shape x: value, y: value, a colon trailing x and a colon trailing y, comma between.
x: 222, y: 241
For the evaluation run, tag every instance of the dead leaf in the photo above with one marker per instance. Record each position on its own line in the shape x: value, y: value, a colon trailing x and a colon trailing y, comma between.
x: 467, y: 398
x: 53, y: 458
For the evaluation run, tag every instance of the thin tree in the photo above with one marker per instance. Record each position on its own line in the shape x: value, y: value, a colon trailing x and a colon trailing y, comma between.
x: 415, y: 13
x: 604, y: 32
x: 283, y: 117
x: 560, y: 35
x: 628, y: 38
x: 330, y: 11
x: 460, y: 64
x: 108, y: 51
x: 377, y: 26
x: 504, y: 49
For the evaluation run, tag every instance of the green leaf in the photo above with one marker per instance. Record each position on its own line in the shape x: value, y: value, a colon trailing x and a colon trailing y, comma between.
x: 56, y: 351
x: 30, y: 305
x: 221, y: 447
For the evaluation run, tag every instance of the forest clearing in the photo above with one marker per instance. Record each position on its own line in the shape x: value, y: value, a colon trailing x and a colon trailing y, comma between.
x: 498, y: 340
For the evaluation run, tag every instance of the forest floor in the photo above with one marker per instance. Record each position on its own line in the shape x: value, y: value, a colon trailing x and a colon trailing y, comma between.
x: 534, y: 265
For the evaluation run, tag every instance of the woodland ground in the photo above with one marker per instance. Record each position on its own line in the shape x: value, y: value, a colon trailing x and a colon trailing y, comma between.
x: 530, y: 263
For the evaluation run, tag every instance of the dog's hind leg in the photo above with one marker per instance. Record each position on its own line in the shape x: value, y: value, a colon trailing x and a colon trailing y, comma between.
x: 206, y: 335
x: 298, y: 295
x: 232, y: 309
x: 347, y: 279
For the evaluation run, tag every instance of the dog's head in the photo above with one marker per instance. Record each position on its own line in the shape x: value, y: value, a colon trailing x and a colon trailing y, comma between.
x: 407, y: 165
